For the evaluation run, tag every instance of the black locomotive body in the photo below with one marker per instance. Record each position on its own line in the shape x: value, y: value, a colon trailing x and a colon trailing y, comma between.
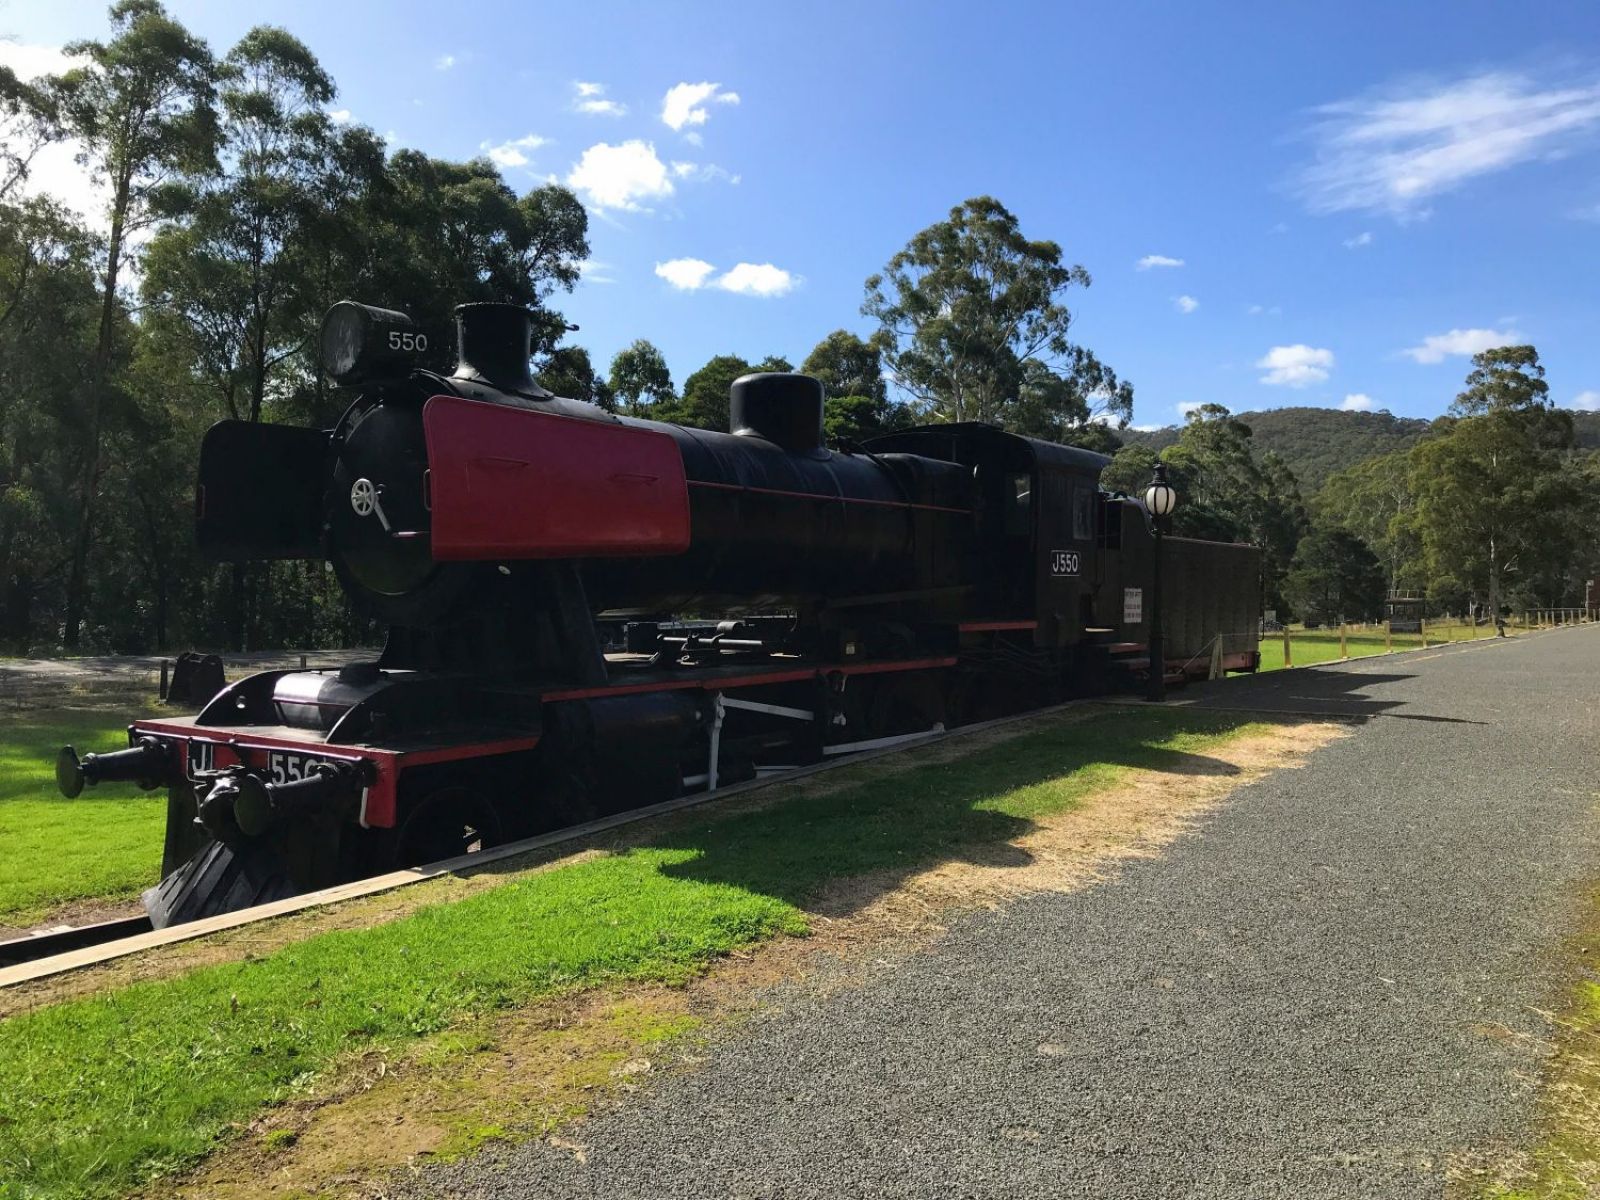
x: 770, y: 603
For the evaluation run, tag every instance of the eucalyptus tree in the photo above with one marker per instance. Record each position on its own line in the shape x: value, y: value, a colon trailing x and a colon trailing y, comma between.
x: 847, y: 365
x: 48, y: 326
x: 142, y: 106
x: 229, y: 269
x: 639, y: 378
x: 28, y: 123
x: 969, y: 303
x: 1497, y: 499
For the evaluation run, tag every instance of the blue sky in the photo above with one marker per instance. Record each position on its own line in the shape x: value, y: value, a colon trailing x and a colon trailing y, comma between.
x: 1359, y: 195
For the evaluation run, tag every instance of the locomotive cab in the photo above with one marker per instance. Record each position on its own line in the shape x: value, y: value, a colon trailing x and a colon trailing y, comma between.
x: 1036, y: 543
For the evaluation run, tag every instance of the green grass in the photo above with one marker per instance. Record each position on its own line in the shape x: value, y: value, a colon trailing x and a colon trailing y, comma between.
x: 1309, y: 647
x: 104, y: 1093
x: 104, y: 845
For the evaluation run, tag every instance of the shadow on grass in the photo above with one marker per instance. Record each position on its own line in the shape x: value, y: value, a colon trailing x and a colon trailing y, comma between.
x: 974, y: 809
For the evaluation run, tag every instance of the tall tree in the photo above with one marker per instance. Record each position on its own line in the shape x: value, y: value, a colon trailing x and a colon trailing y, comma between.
x: 704, y: 403
x: 1374, y: 501
x: 969, y: 303
x: 1493, y: 498
x: 847, y: 366
x: 142, y: 108
x: 639, y: 378
x: 29, y: 121
x: 1334, y: 577
x: 230, y: 269
x: 1054, y: 407
x: 48, y: 323
x: 1227, y: 492
x: 568, y: 371
x: 455, y: 232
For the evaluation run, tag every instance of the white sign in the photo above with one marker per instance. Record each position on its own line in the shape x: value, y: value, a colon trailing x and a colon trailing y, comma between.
x: 1132, y: 606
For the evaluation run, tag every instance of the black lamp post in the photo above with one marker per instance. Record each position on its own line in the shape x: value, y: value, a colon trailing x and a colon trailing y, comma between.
x: 1160, y: 498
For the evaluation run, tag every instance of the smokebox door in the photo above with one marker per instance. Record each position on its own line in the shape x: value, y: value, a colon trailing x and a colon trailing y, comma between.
x: 260, y: 492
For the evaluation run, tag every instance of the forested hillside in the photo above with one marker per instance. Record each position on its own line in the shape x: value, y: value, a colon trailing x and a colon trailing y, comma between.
x: 1315, y: 442
x: 1318, y: 442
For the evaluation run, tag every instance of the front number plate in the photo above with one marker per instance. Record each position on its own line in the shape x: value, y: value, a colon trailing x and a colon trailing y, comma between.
x: 286, y: 766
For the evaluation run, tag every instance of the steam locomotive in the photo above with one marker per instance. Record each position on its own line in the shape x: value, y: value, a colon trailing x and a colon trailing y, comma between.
x: 588, y: 612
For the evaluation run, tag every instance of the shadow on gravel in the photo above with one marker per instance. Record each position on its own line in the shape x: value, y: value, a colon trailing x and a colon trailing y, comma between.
x: 1323, y: 690
x: 973, y: 809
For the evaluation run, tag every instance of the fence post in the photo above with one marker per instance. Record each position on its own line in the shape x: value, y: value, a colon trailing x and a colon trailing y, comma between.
x: 1388, y: 638
x: 1423, y: 625
x: 1288, y: 661
x: 1344, y: 651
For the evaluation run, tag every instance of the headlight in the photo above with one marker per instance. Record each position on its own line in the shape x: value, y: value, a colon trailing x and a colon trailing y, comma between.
x: 361, y: 343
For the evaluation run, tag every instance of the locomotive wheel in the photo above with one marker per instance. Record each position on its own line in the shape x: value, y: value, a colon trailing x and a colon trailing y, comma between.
x: 446, y: 824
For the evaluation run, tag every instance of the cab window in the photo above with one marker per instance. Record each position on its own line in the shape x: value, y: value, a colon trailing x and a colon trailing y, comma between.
x: 1082, y: 514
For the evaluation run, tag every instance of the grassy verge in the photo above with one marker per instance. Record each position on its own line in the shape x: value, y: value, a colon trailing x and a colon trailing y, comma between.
x: 1563, y: 1163
x: 104, y: 1093
x: 1309, y: 647
x: 106, y: 845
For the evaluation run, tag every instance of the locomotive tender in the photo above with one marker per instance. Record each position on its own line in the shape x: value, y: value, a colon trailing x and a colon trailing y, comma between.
x: 780, y: 603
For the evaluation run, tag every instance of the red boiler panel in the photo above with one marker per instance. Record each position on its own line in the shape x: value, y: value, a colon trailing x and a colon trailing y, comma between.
x: 514, y: 483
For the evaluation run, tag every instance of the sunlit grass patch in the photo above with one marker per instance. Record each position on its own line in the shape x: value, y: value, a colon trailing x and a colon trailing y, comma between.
x: 105, y: 845
x: 1309, y: 647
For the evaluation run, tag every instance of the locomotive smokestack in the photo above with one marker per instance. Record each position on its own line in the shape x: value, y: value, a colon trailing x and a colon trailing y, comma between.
x: 494, y: 343
x: 784, y: 408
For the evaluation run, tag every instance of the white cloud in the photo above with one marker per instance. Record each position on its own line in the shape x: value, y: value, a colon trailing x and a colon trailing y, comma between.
x: 593, y: 271
x: 621, y: 176
x: 1145, y: 428
x: 1295, y: 366
x: 1387, y: 152
x: 686, y: 274
x: 1260, y: 310
x: 1156, y: 260
x: 444, y: 62
x: 1186, y: 304
x: 590, y: 99
x: 339, y: 116
x: 1588, y: 401
x: 743, y: 279
x: 1463, y: 343
x: 1360, y: 240
x: 757, y: 279
x: 1357, y: 402
x: 514, y: 153
x: 686, y: 104
x: 702, y: 172
x: 1187, y: 406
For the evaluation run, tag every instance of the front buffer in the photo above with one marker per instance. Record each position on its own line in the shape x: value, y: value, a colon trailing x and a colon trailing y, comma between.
x: 290, y: 781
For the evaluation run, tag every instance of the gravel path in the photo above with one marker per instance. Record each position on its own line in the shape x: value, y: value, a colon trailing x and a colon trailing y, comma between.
x: 1323, y: 994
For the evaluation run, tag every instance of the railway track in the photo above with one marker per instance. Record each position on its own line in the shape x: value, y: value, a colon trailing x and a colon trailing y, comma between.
x: 36, y: 946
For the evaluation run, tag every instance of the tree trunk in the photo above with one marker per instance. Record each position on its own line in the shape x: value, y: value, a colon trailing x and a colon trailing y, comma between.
x: 1494, y: 580
x: 78, y: 575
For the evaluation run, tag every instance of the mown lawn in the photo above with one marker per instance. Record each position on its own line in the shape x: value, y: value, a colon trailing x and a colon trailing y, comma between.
x: 104, y: 845
x: 1308, y: 647
x: 104, y: 1093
